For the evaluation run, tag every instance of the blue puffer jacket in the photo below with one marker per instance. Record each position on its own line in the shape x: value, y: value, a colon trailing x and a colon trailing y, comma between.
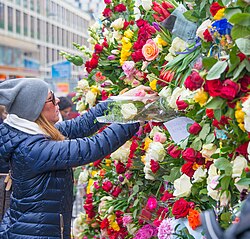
x: 41, y: 202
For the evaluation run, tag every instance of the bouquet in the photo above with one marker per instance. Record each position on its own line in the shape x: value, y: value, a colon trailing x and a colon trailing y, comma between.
x: 128, y: 109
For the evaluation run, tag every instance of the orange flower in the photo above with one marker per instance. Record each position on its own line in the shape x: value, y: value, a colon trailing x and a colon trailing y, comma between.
x: 194, y: 218
x: 150, y: 50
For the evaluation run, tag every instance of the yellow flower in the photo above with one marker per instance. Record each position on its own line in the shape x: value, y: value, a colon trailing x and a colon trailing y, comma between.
x: 239, y: 115
x: 201, y: 97
x: 161, y: 42
x: 114, y: 225
x: 128, y: 33
x: 147, y: 143
x: 90, y: 183
x: 220, y: 14
x: 238, y: 106
x: 152, y: 84
x: 143, y: 158
x: 242, y: 127
x: 111, y: 218
x: 93, y: 173
x: 125, y: 40
x: 95, y: 89
x: 108, y: 162
x: 195, y: 166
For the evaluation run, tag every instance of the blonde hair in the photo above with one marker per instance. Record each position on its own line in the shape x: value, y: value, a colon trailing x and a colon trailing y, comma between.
x: 49, y: 128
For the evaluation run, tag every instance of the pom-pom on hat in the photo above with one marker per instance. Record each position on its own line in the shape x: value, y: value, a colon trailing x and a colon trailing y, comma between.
x: 24, y: 97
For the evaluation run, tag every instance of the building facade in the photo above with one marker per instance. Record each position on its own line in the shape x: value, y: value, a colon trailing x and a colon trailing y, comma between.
x: 33, y: 32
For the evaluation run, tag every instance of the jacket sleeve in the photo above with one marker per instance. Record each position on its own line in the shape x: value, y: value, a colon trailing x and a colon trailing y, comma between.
x: 84, y: 125
x: 46, y: 155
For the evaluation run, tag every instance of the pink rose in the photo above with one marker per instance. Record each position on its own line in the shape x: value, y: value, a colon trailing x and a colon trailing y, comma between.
x: 159, y: 137
x: 151, y: 204
x: 150, y: 50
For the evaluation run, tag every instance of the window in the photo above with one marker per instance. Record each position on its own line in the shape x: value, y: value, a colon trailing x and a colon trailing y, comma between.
x: 53, y: 34
x: 47, y: 32
x: 32, y: 27
x: 25, y: 24
x: 18, y: 2
x: 2, y: 15
x: 10, y: 19
x: 18, y: 22
x: 25, y: 4
x: 32, y: 7
x: 38, y: 29
x: 38, y: 6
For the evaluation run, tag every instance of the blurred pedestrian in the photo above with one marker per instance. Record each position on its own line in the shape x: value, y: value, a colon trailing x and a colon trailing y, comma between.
x: 41, y: 155
x: 65, y: 107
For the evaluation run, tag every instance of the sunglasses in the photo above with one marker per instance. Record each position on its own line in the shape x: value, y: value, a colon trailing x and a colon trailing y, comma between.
x: 53, y: 98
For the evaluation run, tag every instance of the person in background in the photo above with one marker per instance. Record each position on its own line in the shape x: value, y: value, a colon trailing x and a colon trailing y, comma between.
x: 42, y: 153
x: 65, y: 107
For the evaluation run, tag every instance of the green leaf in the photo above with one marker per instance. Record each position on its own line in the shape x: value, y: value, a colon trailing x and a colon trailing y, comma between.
x: 135, y: 189
x: 136, y: 202
x: 215, y: 103
x: 217, y: 69
x: 203, y: 191
x: 210, y: 138
x: 225, y: 181
x: 244, y: 182
x: 208, y: 62
x: 229, y: 12
x: 174, y: 174
x: 223, y: 164
x: 204, y: 131
x: 226, y: 216
x: 239, y: 31
x: 217, y: 114
x: 242, y: 19
x: 244, y: 45
x: 196, y: 144
x: 238, y: 70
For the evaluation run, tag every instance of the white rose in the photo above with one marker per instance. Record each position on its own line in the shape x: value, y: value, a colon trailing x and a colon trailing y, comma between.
x: 212, y: 172
x: 238, y: 166
x: 122, y: 153
x: 199, y: 175
x: 246, y: 106
x: 83, y: 177
x: 118, y: 24
x: 203, y: 28
x: 166, y: 92
x: 247, y: 123
x: 129, y: 111
x: 83, y: 84
x: 182, y: 186
x: 214, y: 194
x: 177, y: 45
x: 146, y: 4
x: 157, y: 151
x: 90, y: 98
x: 176, y: 93
x: 208, y: 150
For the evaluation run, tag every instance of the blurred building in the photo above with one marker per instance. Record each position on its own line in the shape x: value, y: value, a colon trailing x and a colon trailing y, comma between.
x: 33, y: 32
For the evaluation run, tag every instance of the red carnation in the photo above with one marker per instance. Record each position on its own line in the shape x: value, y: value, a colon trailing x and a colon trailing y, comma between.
x: 229, y: 89
x: 107, y: 1
x: 98, y: 48
x: 180, y: 208
x: 166, y: 196
x: 214, y: 8
x: 154, y: 165
x: 193, y: 81
x: 117, y: 190
x: 120, y: 168
x: 195, y: 128
x: 213, y: 87
x: 210, y: 113
x: 104, y: 224
x: 120, y: 8
x: 189, y: 154
x: 107, y: 12
x: 107, y: 186
x: 207, y: 36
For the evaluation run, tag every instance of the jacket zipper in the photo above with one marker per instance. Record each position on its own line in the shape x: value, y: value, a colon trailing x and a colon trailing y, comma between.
x: 61, y: 225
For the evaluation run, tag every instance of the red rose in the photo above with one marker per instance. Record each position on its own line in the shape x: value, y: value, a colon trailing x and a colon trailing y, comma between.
x: 207, y: 36
x: 213, y: 87
x: 117, y: 190
x: 104, y: 223
x: 105, y: 95
x: 107, y: 186
x: 181, y: 104
x: 244, y: 84
x: 137, y: 55
x: 242, y: 149
x: 214, y: 8
x: 166, y: 196
x: 107, y: 12
x: 120, y: 168
x: 189, y: 154
x: 195, y: 128
x: 105, y: 44
x: 107, y: 1
x: 125, y: 25
x: 173, y: 151
x: 154, y: 166
x: 180, y: 208
x: 210, y: 113
x: 229, y: 89
x: 193, y: 81
x: 120, y: 8
x: 187, y: 168
x: 140, y: 22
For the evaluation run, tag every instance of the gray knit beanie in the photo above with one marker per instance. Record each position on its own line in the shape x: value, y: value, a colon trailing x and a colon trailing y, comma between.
x: 24, y: 97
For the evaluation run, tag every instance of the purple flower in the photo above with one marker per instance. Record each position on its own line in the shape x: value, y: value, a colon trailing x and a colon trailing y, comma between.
x: 111, y: 57
x: 146, y: 232
x: 156, y: 26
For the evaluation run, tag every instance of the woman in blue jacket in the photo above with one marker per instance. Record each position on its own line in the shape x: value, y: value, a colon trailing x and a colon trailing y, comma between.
x: 41, y: 156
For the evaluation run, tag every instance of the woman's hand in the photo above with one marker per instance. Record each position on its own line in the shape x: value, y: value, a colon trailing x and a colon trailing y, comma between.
x: 141, y: 91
